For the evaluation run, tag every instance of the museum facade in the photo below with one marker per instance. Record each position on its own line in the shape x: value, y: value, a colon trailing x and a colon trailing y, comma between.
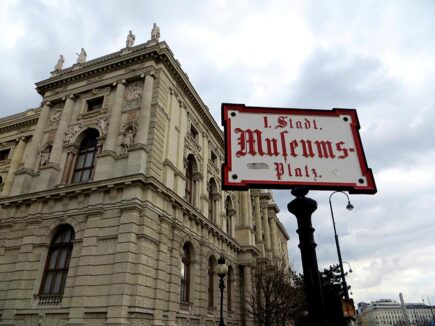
x: 112, y: 209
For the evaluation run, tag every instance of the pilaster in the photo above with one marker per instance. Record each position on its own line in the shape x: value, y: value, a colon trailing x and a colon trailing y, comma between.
x: 265, y: 218
x: 15, y: 162
x: 106, y: 161
x: 258, y: 224
x: 124, y: 268
x: 161, y: 290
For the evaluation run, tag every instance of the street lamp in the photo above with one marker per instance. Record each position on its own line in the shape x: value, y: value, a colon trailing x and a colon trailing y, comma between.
x: 221, y: 271
x: 349, y: 206
x: 433, y: 317
x: 350, y: 268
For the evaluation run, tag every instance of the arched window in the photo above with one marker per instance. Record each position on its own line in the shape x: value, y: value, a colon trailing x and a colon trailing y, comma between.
x: 211, y: 271
x: 185, y: 274
x: 57, y: 264
x: 212, y: 191
x: 190, y: 182
x: 85, y: 162
x: 228, y: 215
x: 229, y: 294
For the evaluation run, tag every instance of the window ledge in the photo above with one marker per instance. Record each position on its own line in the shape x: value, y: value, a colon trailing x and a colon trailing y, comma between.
x: 49, y: 299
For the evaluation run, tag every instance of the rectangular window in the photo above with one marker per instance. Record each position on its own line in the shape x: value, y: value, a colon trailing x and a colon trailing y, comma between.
x: 94, y: 104
x: 4, y: 154
x: 213, y: 158
x: 194, y: 133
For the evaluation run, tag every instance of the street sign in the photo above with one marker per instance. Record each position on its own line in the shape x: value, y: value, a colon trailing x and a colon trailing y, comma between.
x: 348, y: 308
x: 287, y: 148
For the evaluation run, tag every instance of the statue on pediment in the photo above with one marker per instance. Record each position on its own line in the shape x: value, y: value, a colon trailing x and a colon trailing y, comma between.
x: 81, y: 56
x: 59, y: 64
x: 155, y: 32
x: 130, y: 39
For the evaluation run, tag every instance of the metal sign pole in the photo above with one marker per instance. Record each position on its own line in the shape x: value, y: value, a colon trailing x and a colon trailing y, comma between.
x: 303, y: 207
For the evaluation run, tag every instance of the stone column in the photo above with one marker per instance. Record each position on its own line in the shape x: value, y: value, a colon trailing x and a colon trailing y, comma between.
x: 15, y: 162
x: 49, y: 174
x: 124, y: 266
x: 65, y: 120
x: 244, y: 230
x: 272, y: 226
x: 143, y: 117
x: 115, y: 118
x: 82, y: 295
x: 244, y: 210
x: 31, y: 154
x: 266, y: 229
x: 161, y: 303
x: 258, y: 226
x: 248, y: 291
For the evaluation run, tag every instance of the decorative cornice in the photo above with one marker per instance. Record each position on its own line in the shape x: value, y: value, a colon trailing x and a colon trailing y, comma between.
x: 159, y: 52
x: 26, y: 118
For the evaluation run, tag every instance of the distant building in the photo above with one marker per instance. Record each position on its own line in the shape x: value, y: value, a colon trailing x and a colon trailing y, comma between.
x: 111, y: 207
x: 389, y: 312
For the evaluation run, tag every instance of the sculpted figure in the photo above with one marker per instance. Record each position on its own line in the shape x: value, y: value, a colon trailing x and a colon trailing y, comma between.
x: 45, y: 156
x: 59, y: 64
x: 155, y: 32
x: 81, y: 56
x: 127, y: 140
x: 130, y: 39
x: 103, y: 123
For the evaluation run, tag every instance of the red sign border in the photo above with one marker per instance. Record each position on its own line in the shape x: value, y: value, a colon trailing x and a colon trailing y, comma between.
x: 353, y: 188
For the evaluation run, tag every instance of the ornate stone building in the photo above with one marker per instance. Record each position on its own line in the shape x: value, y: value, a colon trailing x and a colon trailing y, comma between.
x: 112, y: 211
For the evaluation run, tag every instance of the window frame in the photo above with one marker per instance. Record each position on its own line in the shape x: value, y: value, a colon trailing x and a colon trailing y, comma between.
x: 190, y: 182
x: 210, y: 288
x: 88, y: 147
x: 97, y: 101
x: 186, y: 262
x: 4, y: 154
x: 58, y: 248
x: 229, y: 292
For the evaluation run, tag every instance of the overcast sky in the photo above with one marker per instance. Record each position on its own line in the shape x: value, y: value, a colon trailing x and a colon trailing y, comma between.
x: 375, y: 56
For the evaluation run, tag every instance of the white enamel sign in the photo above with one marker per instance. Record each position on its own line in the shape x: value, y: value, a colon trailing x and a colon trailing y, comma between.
x: 286, y: 148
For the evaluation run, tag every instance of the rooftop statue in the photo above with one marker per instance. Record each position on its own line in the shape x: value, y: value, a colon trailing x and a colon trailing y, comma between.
x: 81, y: 56
x: 130, y: 39
x: 59, y: 64
x: 155, y: 32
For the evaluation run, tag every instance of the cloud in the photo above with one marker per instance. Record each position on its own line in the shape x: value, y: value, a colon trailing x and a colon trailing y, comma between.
x: 373, y: 56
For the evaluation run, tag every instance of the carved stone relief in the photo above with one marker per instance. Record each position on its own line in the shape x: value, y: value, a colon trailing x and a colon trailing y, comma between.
x: 133, y: 95
x: 70, y: 133
x: 55, y: 115
x: 103, y: 123
x: 45, y: 155
x: 129, y: 131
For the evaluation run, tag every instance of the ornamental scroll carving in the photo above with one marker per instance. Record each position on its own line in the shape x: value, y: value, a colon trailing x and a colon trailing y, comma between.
x: 70, y: 133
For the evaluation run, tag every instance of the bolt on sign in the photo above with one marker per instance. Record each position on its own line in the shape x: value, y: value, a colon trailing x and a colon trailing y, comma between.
x: 286, y: 148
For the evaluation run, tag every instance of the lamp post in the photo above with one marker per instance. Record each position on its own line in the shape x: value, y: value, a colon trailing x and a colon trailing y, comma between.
x: 350, y: 267
x: 433, y: 316
x: 349, y: 206
x: 221, y: 271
